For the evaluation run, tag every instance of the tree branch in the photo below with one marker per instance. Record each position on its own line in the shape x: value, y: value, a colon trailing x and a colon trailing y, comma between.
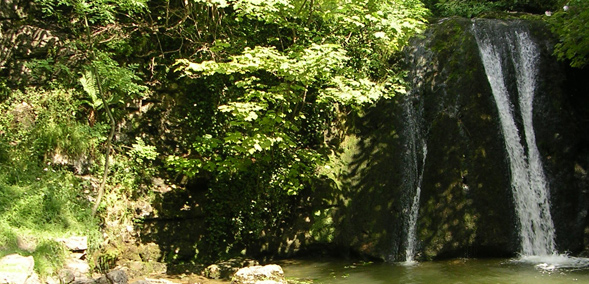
x: 108, y: 113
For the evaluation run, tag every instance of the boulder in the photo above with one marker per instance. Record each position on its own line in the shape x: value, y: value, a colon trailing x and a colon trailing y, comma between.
x: 17, y: 269
x: 74, y: 269
x: 259, y: 274
x: 75, y: 243
x: 212, y: 271
x: 225, y: 269
x: 113, y: 277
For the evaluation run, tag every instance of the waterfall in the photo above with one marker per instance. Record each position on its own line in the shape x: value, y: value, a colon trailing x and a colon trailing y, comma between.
x: 414, y: 213
x: 415, y: 131
x: 413, y: 175
x: 498, y: 47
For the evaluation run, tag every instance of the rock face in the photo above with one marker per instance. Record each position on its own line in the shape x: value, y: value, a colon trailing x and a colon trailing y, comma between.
x: 466, y: 204
x: 466, y: 207
x: 259, y: 274
x: 23, y: 38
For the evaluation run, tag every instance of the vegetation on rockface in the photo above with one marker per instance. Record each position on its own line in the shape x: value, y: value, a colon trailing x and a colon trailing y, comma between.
x: 52, y: 136
x: 243, y: 95
x: 473, y: 8
x: 571, y: 24
x: 567, y: 18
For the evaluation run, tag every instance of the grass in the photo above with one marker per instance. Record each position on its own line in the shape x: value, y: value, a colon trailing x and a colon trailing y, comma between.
x: 34, y: 213
x: 39, y: 201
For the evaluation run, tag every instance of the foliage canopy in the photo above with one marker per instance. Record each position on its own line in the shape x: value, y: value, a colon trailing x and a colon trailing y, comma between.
x: 276, y: 97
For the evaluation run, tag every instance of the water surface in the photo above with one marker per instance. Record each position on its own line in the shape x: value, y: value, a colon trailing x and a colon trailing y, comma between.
x: 491, y: 271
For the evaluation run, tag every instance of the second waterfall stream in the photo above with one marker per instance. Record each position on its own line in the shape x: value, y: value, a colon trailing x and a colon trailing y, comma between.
x: 498, y: 48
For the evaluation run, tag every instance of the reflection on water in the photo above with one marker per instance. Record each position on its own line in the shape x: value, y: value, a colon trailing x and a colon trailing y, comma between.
x: 495, y: 271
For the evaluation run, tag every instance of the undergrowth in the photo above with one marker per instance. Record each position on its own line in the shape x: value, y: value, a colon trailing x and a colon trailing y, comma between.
x: 33, y: 214
x: 41, y: 197
x: 50, y: 166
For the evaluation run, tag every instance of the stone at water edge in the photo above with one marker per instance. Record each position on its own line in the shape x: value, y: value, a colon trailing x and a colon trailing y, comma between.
x: 267, y: 274
x: 226, y: 269
x: 156, y: 281
x: 17, y: 269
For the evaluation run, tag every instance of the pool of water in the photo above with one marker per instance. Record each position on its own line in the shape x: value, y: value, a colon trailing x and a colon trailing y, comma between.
x: 491, y: 271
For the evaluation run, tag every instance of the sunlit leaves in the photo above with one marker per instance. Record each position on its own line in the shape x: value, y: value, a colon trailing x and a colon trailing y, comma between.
x: 467, y: 8
x: 332, y: 52
x: 214, y: 3
x: 572, y: 28
x: 353, y: 92
x: 390, y: 21
x: 318, y: 64
x: 269, y: 11
x: 243, y: 111
x: 143, y: 152
x: 89, y: 85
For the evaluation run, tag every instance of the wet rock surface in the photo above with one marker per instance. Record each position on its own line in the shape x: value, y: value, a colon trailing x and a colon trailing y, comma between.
x: 466, y: 207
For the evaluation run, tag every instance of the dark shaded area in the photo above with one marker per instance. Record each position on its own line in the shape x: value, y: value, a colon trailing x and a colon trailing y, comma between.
x: 188, y: 220
x: 370, y: 219
x: 178, y: 225
x: 561, y: 121
x: 466, y: 204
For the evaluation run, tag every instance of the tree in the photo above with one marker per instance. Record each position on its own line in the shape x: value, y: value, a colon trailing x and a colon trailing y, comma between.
x: 277, y: 82
x: 571, y: 25
x: 103, y: 79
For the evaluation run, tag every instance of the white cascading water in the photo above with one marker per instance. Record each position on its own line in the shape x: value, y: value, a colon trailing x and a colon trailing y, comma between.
x: 413, y: 173
x: 414, y: 213
x: 530, y: 189
x: 416, y: 132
